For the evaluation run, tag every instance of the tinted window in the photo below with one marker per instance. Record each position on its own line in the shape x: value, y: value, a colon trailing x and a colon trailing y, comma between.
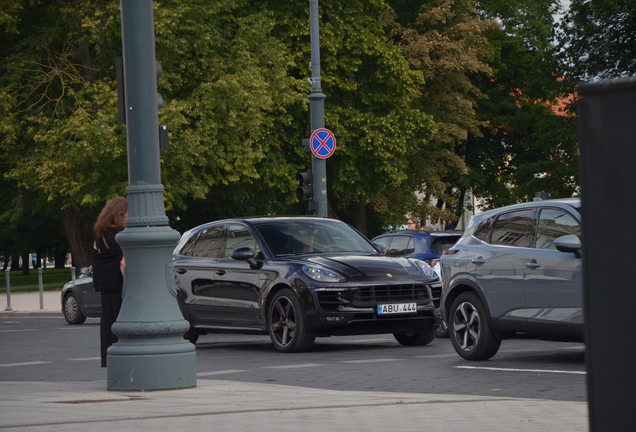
x: 400, y: 246
x: 382, y: 243
x: 210, y: 243
x: 238, y: 236
x: 188, y: 248
x: 482, y: 231
x: 442, y: 244
x: 554, y: 223
x: 514, y: 229
x: 295, y: 237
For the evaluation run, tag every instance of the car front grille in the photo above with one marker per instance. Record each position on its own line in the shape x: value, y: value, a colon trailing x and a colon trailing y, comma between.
x: 370, y: 296
x: 436, y: 290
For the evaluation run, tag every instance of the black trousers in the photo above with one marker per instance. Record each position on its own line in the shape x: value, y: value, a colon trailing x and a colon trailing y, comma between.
x: 111, y: 304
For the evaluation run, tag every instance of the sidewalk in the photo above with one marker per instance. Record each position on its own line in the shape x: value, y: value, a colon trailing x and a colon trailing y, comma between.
x: 236, y: 406
x: 28, y: 304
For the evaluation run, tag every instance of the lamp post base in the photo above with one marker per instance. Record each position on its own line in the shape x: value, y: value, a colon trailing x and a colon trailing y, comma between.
x: 151, y: 353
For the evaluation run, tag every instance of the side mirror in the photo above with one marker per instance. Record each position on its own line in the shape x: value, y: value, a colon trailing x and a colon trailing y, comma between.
x: 246, y: 254
x: 85, y: 271
x: 569, y: 243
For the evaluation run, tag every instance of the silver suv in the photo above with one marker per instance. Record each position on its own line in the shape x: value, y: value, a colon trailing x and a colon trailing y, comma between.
x: 516, y: 269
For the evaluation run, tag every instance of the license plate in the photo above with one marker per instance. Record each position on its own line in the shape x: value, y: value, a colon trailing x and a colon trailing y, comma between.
x: 397, y: 308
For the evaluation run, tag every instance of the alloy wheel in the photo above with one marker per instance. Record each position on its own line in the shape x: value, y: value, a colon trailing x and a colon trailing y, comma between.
x: 466, y: 326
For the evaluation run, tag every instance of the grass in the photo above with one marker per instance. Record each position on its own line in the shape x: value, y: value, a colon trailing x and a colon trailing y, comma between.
x: 52, y: 279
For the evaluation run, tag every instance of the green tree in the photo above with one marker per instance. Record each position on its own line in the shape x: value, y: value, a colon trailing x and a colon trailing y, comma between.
x: 446, y: 40
x: 599, y: 38
x: 528, y: 141
x: 225, y: 85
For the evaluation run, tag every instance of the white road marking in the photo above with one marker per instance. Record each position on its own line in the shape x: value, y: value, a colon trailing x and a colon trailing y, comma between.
x: 521, y: 370
x: 16, y: 330
x: 222, y: 372
x: 24, y: 363
x: 370, y: 360
x: 294, y: 366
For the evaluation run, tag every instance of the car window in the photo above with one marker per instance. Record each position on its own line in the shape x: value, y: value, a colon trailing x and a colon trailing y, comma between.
x: 481, y: 231
x: 188, y: 248
x: 238, y: 236
x: 554, y: 223
x: 441, y: 244
x: 400, y: 246
x: 210, y: 243
x: 295, y: 237
x: 382, y: 242
x: 514, y: 229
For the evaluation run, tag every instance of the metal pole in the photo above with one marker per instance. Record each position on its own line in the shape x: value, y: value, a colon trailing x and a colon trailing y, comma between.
x: 151, y: 353
x: 8, y: 278
x: 317, y: 112
x: 41, y: 285
x: 72, y: 273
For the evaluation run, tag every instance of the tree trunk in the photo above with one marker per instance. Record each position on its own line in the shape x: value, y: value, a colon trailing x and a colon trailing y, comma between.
x: 79, y: 233
x: 25, y: 263
x: 360, y: 216
x: 59, y: 255
x: 15, y: 262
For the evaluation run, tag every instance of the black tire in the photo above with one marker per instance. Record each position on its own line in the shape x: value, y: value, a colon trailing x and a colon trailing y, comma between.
x: 286, y: 323
x: 191, y: 336
x: 442, y: 330
x: 415, y: 339
x: 71, y: 309
x: 470, y: 332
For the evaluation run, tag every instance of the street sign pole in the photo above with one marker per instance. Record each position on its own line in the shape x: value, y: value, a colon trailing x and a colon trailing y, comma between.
x: 151, y: 353
x: 317, y: 112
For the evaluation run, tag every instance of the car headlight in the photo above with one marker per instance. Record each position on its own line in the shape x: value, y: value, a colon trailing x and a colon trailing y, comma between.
x: 425, y: 268
x: 322, y: 274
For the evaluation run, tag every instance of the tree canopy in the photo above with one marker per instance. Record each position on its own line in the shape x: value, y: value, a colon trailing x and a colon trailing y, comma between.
x: 427, y: 98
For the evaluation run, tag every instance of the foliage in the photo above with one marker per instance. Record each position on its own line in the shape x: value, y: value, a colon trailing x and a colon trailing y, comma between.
x: 426, y: 98
x: 445, y: 39
x: 599, y: 39
x: 528, y: 141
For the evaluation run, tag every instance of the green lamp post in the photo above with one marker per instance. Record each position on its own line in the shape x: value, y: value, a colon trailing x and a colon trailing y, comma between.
x: 151, y: 353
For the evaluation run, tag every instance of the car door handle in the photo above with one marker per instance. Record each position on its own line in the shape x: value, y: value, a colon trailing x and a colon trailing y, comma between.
x: 220, y: 272
x: 181, y: 271
x: 479, y: 260
x: 533, y: 264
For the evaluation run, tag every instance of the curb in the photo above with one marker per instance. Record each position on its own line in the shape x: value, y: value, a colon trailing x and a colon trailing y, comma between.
x: 33, y: 314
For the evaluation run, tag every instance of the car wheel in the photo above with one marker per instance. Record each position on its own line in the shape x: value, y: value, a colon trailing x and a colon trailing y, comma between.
x: 72, y: 312
x: 191, y: 336
x: 415, y: 339
x: 442, y: 330
x: 470, y: 333
x: 286, y: 323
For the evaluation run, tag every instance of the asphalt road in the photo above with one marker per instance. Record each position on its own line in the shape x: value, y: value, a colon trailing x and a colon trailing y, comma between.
x: 48, y: 349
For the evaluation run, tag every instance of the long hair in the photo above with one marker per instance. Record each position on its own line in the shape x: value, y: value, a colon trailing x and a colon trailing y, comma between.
x: 112, y: 215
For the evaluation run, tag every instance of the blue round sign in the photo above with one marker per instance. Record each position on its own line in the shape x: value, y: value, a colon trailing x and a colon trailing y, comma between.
x: 322, y: 143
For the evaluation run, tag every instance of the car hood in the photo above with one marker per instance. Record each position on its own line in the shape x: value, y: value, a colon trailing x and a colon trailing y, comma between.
x: 371, y: 267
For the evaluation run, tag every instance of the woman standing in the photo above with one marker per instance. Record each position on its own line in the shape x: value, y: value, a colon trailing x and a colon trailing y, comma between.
x: 108, y: 266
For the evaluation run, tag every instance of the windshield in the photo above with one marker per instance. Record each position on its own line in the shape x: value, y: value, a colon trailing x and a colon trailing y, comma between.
x: 296, y: 238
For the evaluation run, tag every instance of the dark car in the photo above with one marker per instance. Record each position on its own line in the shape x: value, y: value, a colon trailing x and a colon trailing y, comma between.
x: 516, y: 269
x: 79, y: 299
x: 298, y: 278
x: 421, y: 244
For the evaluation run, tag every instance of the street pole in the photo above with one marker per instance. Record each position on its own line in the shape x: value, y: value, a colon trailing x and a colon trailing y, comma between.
x: 151, y: 353
x: 317, y: 112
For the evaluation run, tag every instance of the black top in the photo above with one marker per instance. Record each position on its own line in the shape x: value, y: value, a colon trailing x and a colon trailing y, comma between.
x: 106, y: 259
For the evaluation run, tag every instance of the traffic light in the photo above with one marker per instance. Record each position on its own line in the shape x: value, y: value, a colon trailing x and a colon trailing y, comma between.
x: 305, y: 189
